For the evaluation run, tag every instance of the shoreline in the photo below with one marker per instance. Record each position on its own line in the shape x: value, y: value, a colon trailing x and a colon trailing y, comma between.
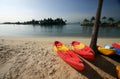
x: 85, y: 40
x: 59, y: 36
x: 34, y: 58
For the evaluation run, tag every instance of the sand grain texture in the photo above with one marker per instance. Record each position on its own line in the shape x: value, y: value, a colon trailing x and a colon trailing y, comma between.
x: 34, y: 58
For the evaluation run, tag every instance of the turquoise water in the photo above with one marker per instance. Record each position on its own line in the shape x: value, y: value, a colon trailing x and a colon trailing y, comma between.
x: 72, y: 30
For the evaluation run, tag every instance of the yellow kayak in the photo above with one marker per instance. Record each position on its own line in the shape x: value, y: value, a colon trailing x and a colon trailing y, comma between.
x: 118, y: 71
x: 106, y: 51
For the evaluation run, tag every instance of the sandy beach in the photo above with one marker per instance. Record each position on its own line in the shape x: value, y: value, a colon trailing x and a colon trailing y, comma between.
x: 34, y: 58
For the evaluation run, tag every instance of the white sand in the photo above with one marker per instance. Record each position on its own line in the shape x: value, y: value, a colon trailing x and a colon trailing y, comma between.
x: 34, y: 58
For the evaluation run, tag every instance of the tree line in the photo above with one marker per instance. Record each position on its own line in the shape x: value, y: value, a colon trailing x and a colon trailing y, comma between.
x: 105, y: 21
x: 49, y: 21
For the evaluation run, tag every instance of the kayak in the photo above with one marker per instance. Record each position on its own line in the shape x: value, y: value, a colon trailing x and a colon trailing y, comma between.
x: 106, y: 51
x: 68, y: 56
x: 118, y: 71
x: 117, y: 51
x: 82, y: 50
x: 116, y: 45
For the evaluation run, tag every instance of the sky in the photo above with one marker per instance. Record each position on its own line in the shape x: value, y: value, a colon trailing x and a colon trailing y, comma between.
x: 70, y: 10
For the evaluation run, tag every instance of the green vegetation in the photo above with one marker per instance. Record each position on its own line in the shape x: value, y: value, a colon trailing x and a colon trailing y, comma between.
x: 105, y: 21
x: 49, y: 21
x: 118, y: 23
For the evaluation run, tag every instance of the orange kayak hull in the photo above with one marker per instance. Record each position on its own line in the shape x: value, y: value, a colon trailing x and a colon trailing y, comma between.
x: 118, y: 71
x: 106, y: 51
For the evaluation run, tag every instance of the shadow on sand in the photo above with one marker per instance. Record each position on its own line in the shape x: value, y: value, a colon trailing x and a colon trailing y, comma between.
x: 90, y: 73
x: 105, y: 65
x: 115, y: 57
x: 99, y: 63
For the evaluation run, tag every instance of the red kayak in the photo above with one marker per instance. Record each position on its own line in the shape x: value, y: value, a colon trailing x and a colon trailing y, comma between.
x: 116, y: 45
x: 83, y: 50
x: 68, y: 56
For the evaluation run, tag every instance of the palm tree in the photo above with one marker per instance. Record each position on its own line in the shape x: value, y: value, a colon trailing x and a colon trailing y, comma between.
x: 92, y: 19
x: 96, y: 27
x: 111, y: 20
x: 118, y: 23
x: 85, y: 21
x: 104, y: 18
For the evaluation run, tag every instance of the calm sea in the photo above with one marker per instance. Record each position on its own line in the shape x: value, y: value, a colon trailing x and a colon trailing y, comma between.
x: 73, y: 30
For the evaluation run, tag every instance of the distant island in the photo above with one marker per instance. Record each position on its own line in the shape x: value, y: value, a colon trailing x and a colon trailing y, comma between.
x: 104, y: 22
x: 49, y: 21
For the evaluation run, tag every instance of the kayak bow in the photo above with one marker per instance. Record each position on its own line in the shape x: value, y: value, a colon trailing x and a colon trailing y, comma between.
x: 83, y: 50
x: 68, y: 56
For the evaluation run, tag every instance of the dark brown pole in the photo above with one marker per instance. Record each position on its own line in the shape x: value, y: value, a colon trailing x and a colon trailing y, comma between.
x: 96, y: 27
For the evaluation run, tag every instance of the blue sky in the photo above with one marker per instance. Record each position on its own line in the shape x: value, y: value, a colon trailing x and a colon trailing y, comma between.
x: 70, y: 10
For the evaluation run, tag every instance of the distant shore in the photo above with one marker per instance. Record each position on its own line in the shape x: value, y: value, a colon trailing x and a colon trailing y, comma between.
x: 102, y: 25
x: 30, y: 57
x: 49, y: 21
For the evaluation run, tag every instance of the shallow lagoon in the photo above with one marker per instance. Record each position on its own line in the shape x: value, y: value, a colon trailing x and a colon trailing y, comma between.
x: 74, y: 30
